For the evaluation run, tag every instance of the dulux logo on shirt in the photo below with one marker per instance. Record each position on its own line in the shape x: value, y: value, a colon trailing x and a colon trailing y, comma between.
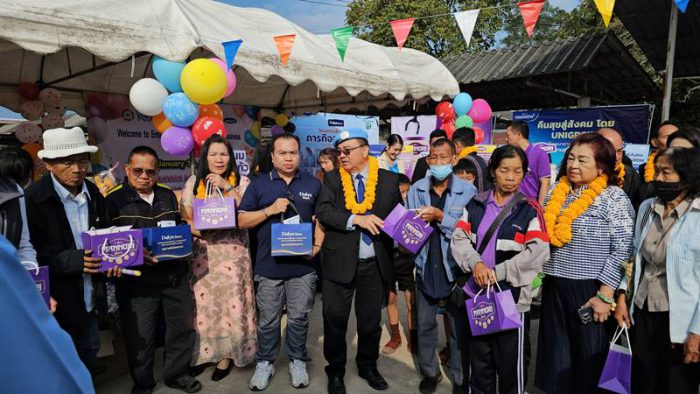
x: 306, y: 196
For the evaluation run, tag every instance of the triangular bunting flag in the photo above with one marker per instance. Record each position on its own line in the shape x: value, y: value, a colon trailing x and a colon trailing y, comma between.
x: 230, y: 50
x: 605, y: 7
x: 401, y: 30
x: 530, y: 11
x: 466, y: 21
x: 682, y: 5
x: 284, y: 46
x: 341, y: 36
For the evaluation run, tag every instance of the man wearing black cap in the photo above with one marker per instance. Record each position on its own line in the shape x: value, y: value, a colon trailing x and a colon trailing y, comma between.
x: 356, y: 256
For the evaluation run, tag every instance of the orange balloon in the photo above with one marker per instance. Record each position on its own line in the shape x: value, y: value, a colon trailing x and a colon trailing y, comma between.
x: 33, y: 148
x: 161, y: 123
x: 211, y: 110
x: 39, y: 168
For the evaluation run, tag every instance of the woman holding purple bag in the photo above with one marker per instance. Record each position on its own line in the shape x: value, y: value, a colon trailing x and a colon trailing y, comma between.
x: 501, y: 238
x: 221, y: 275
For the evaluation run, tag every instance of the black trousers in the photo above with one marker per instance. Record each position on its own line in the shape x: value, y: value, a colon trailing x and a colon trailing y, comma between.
x: 571, y: 355
x: 368, y: 289
x: 140, y: 306
x: 86, y: 338
x: 656, y: 366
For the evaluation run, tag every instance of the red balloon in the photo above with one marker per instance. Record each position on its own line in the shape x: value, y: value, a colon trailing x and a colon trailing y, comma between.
x: 449, y: 128
x: 478, y: 134
x: 445, y: 111
x: 205, y: 127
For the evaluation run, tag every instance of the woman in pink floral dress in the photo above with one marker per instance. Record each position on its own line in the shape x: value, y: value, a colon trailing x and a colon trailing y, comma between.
x: 221, y: 275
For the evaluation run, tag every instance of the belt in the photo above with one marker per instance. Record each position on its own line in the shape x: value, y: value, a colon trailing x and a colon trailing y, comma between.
x: 369, y: 260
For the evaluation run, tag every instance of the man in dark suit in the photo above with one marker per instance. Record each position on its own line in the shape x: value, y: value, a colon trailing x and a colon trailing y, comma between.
x: 631, y: 181
x: 357, y: 256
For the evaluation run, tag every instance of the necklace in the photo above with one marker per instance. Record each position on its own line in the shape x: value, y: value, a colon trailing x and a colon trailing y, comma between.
x: 649, y: 168
x: 201, y: 188
x: 349, y: 190
x: 620, y: 174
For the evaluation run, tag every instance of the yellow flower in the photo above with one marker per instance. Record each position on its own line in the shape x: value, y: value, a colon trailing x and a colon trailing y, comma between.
x: 621, y: 174
x: 466, y: 152
x: 201, y: 188
x: 370, y: 189
x: 649, y: 168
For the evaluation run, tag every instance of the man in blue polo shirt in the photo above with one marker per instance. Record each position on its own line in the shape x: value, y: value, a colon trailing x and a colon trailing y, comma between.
x: 282, y: 194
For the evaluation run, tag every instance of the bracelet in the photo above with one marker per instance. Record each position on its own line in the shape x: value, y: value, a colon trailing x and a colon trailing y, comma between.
x: 318, y: 246
x: 265, y: 212
x: 605, y: 299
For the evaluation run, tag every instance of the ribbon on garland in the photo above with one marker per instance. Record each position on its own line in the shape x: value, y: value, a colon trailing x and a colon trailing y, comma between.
x: 466, y: 20
x: 341, y: 36
x: 401, y: 28
x: 530, y: 11
x: 284, y: 45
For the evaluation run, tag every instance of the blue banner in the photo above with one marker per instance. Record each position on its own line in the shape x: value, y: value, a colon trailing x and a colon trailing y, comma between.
x: 553, y: 130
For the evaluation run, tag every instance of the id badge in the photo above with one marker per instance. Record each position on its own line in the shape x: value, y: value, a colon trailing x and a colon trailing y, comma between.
x: 293, y: 220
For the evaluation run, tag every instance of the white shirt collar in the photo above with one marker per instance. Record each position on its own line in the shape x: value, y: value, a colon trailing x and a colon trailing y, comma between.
x: 64, y: 194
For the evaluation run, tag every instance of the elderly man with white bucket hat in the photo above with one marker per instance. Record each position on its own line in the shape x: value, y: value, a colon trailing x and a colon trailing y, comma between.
x: 60, y: 206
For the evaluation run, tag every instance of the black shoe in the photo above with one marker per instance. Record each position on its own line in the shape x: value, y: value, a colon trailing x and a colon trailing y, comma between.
x: 429, y: 384
x: 219, y: 373
x: 336, y: 385
x: 187, y: 384
x: 460, y: 389
x: 375, y: 380
x: 198, y: 369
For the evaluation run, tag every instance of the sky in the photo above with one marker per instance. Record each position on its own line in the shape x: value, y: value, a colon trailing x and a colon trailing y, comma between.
x: 322, y: 18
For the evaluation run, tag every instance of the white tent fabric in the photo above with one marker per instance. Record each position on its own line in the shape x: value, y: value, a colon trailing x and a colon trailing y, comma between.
x: 78, y: 45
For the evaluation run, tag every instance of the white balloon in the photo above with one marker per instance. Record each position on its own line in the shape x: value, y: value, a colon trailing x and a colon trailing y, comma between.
x: 147, y: 96
x: 97, y: 128
x: 28, y: 132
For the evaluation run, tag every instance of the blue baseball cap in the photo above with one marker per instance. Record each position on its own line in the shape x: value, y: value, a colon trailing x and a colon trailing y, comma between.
x: 350, y: 134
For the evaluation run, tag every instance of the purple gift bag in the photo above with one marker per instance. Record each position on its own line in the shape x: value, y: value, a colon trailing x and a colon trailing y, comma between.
x: 493, y: 312
x: 617, y: 372
x: 212, y: 212
x: 40, y: 276
x: 407, y: 228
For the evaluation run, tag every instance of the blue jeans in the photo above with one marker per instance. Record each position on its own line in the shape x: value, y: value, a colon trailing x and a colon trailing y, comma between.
x: 298, y: 294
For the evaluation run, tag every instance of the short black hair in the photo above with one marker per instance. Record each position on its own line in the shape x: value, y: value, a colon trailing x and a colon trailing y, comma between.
x: 142, y: 150
x: 521, y: 127
x: 655, y: 132
x: 465, y: 166
x: 686, y: 162
x: 465, y: 136
x: 403, y: 179
x: 692, y: 134
x: 284, y: 136
x: 439, y: 133
x: 16, y: 164
x: 507, y: 152
x: 445, y: 141
x: 394, y: 139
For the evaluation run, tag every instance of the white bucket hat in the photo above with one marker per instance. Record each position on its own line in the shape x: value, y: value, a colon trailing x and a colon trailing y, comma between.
x: 59, y: 143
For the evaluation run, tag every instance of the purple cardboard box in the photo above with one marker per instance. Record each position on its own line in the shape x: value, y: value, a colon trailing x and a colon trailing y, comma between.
x: 407, y: 228
x: 40, y: 276
x: 116, y: 246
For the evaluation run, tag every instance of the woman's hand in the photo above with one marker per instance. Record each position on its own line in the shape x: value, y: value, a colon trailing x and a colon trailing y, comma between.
x: 218, y: 181
x: 691, y: 348
x: 601, y: 310
x: 621, y: 312
x: 483, y: 275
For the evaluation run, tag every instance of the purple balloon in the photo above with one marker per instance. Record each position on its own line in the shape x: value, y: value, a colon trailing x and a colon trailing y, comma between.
x: 276, y: 130
x: 177, y: 141
x: 480, y: 111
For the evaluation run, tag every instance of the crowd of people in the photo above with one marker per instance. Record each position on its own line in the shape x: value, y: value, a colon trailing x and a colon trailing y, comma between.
x: 616, y: 247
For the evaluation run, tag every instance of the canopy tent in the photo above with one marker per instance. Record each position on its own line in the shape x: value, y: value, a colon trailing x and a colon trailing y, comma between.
x: 106, y: 46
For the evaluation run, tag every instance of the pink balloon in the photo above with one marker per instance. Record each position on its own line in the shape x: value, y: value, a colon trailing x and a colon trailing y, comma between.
x: 480, y: 111
x: 230, y: 76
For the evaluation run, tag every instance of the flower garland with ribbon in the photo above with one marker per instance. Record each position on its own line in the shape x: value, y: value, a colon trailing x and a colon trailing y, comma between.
x: 201, y: 189
x: 371, y: 187
x: 620, y: 174
x: 559, y: 225
x: 466, y: 152
x: 649, y: 168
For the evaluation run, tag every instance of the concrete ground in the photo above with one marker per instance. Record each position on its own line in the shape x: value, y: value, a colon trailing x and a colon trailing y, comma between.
x: 399, y: 369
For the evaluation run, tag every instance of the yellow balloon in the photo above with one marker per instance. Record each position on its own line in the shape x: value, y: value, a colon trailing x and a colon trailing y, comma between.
x: 203, y: 81
x: 281, y: 120
x: 255, y: 129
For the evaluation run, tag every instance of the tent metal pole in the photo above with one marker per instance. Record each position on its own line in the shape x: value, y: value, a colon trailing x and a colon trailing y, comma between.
x: 670, y: 60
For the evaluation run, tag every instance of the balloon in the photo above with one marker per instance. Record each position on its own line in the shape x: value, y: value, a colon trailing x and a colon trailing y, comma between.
x: 250, y: 139
x: 58, y: 109
x: 177, y: 141
x: 161, y: 123
x: 97, y: 129
x: 445, y: 110
x: 32, y: 110
x: 203, y: 81
x: 205, y: 127
x: 168, y: 73
x: 211, y: 110
x: 449, y: 128
x: 252, y: 112
x: 50, y: 96
x: 230, y: 76
x: 281, y: 120
x: 255, y: 129
x: 480, y: 111
x: 462, y: 103
x: 479, y: 135
x: 147, y: 96
x: 52, y: 122
x: 28, y: 90
x: 464, y: 121
x: 27, y: 132
x: 39, y: 167
x: 276, y: 129
x: 180, y: 110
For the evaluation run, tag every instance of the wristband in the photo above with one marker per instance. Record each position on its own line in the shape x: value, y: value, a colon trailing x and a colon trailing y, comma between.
x: 605, y: 299
x: 265, y: 212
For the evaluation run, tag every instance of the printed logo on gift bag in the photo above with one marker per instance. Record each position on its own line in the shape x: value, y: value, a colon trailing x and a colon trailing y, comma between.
x: 215, y: 213
x: 118, y: 250
x: 412, y: 234
x: 484, y: 313
x: 407, y: 228
x: 494, y: 312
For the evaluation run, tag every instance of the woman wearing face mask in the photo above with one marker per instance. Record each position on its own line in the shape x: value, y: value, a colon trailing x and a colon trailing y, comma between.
x: 389, y: 160
x: 661, y: 293
x: 590, y: 225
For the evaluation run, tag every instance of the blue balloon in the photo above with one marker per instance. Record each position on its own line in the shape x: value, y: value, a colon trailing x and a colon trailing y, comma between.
x: 252, y: 112
x: 250, y: 139
x: 462, y: 103
x: 168, y: 73
x: 180, y: 110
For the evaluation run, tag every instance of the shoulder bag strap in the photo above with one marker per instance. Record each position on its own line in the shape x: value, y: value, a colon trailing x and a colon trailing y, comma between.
x: 497, y: 222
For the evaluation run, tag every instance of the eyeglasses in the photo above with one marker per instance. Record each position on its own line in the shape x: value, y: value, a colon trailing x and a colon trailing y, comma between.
x: 150, y: 173
x: 348, y: 151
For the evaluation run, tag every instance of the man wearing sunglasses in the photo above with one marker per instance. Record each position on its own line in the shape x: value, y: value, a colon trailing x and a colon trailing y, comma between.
x: 141, y: 202
x: 357, y: 257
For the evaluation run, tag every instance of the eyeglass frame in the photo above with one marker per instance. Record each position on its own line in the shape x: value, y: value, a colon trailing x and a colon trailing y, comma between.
x: 348, y: 151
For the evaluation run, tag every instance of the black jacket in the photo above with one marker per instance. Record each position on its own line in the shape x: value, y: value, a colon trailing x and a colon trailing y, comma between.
x: 633, y: 186
x: 10, y: 217
x: 51, y: 236
x: 420, y: 170
x: 341, y: 247
x: 125, y: 207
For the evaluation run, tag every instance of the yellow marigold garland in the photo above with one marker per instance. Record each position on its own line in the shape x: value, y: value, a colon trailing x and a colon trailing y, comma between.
x: 370, y: 188
x: 649, y: 168
x: 559, y: 226
x: 467, y: 151
x: 620, y: 174
x: 201, y: 188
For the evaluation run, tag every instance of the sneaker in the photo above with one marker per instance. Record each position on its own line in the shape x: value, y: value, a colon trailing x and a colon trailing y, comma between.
x: 297, y: 371
x: 261, y: 378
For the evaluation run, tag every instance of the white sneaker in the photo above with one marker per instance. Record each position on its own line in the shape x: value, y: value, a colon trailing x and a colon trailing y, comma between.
x: 261, y: 378
x: 297, y: 371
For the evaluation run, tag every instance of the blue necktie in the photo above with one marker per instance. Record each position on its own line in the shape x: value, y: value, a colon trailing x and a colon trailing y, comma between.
x: 360, y: 196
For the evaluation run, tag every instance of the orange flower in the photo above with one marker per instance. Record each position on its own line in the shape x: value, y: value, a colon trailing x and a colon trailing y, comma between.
x: 621, y: 174
x: 649, y: 168
x: 371, y: 187
x: 201, y: 189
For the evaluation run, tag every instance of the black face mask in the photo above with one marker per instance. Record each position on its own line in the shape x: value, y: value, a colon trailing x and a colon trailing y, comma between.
x: 668, y: 191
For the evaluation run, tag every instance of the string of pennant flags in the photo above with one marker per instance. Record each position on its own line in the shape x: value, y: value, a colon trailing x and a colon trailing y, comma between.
x: 466, y: 21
